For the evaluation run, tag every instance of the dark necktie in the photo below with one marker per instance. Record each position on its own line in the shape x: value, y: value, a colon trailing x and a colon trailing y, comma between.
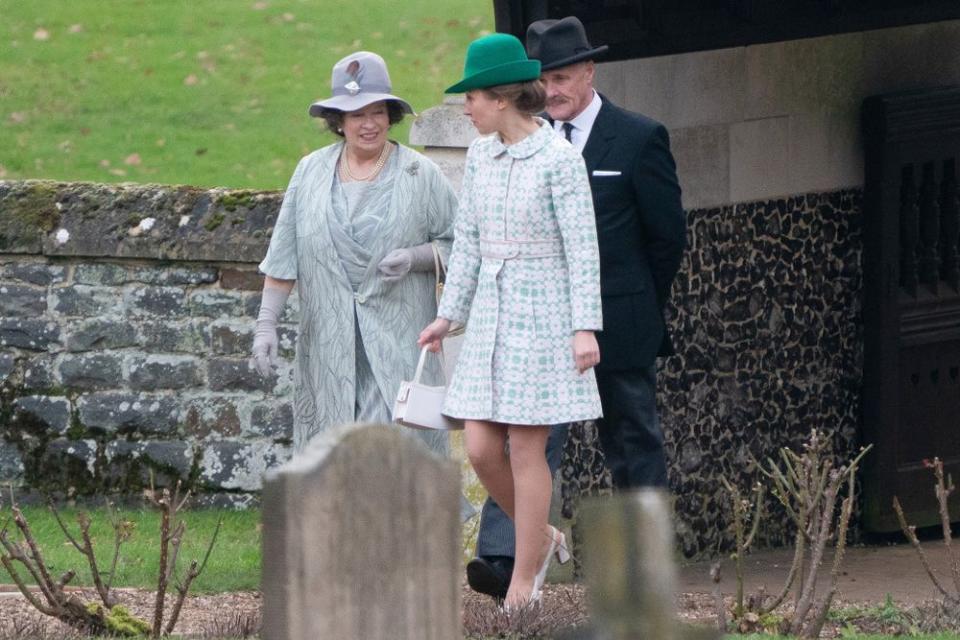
x: 567, y: 128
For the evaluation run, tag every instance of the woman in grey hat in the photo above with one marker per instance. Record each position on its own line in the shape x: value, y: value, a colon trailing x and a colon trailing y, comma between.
x: 354, y: 233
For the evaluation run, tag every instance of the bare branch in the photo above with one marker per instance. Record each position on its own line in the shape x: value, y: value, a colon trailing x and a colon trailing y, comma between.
x: 910, y: 532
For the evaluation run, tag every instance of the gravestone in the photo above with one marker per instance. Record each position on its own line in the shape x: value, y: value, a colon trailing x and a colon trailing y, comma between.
x: 630, y: 569
x: 361, y: 541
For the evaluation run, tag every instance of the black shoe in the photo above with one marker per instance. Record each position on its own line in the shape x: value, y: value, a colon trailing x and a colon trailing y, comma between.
x: 490, y: 575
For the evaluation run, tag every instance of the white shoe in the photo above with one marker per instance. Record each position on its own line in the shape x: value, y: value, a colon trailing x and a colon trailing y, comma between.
x: 558, y: 548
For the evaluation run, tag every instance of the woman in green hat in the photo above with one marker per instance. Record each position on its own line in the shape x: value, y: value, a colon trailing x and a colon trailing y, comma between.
x: 524, y: 276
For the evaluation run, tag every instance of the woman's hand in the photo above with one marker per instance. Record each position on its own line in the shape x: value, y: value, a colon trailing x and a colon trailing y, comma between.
x: 586, y: 351
x: 434, y: 333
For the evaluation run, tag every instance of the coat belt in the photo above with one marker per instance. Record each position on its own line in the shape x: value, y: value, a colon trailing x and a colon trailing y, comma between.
x: 510, y: 249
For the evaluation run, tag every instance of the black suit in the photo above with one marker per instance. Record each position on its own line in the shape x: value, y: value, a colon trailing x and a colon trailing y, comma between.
x: 641, y: 233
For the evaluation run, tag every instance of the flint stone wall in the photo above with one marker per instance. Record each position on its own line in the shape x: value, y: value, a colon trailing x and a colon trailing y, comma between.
x: 126, y: 316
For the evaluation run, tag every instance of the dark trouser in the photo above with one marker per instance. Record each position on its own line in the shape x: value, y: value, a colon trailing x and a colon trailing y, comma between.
x: 629, y: 432
x: 496, y: 536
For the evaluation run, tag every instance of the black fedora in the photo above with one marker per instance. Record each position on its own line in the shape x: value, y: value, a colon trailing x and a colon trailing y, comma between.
x: 558, y: 43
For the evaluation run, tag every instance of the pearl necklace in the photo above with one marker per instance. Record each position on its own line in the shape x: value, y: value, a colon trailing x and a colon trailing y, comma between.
x: 345, y: 164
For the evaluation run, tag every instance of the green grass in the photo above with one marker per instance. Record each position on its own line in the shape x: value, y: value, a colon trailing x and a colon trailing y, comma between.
x: 234, y: 563
x: 203, y: 92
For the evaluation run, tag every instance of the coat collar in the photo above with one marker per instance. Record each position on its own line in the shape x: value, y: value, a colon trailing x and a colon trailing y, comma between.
x: 537, y: 140
x: 604, y: 129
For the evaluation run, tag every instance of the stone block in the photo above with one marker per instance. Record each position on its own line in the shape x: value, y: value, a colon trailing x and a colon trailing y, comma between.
x: 687, y: 90
x: 231, y: 374
x: 34, y: 335
x: 11, y: 463
x: 155, y: 372
x: 100, y: 333
x: 443, y: 126
x: 826, y: 151
x: 703, y: 164
x: 759, y: 159
x: 100, y: 274
x: 810, y: 75
x: 174, y: 276
x: 157, y: 301
x: 231, y: 338
x: 39, y: 373
x: 911, y: 57
x: 27, y: 210
x: 86, y: 300
x: 239, y: 465
x: 91, y: 372
x: 177, y: 456
x: 211, y: 418
x: 51, y: 413
x: 214, y: 303
x: 22, y: 301
x: 38, y: 273
x: 129, y: 412
x: 374, y: 505
x: 291, y: 311
x: 176, y: 337
x: 272, y: 420
x: 242, y: 279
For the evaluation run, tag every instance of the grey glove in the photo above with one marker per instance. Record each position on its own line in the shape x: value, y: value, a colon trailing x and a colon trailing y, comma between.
x: 265, y: 341
x: 400, y: 262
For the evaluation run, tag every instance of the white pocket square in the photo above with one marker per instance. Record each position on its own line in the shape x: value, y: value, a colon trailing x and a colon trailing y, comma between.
x: 600, y: 173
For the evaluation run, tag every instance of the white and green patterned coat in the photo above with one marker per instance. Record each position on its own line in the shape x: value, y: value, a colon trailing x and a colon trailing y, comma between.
x: 390, y: 314
x: 524, y: 274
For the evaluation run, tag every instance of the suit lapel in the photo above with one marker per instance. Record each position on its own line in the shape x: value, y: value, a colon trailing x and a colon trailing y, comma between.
x: 602, y: 132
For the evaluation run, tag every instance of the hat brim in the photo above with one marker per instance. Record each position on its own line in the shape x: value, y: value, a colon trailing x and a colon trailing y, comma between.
x: 516, y: 71
x: 352, y: 103
x: 580, y: 57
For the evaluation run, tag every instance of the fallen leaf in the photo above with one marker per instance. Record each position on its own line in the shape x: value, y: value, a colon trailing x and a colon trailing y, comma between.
x: 133, y: 160
x: 191, y: 80
x: 118, y: 172
x: 84, y: 131
x: 17, y: 117
x: 75, y: 28
x: 288, y: 17
x: 161, y: 142
x: 260, y: 6
x: 66, y: 146
x: 104, y: 163
x: 41, y: 34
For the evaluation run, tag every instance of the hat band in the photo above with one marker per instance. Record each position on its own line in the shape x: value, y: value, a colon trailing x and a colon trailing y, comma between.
x: 358, y: 89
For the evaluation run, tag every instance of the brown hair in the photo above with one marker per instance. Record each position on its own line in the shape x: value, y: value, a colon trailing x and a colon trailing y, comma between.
x: 527, y: 97
x: 334, y: 117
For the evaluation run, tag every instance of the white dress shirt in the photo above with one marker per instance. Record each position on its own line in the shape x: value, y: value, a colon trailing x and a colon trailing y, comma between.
x: 582, y: 124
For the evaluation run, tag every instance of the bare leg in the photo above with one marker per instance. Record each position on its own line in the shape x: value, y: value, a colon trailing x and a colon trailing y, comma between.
x: 531, y: 507
x: 486, y: 450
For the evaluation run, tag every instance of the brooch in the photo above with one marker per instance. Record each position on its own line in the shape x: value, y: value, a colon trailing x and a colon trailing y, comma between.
x: 352, y: 87
x: 413, y: 167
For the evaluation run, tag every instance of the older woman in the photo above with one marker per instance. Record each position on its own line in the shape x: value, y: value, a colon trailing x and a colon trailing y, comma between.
x: 354, y: 233
x: 525, y: 270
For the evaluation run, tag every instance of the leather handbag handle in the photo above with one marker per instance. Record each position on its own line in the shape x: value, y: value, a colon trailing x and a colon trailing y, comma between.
x: 422, y: 361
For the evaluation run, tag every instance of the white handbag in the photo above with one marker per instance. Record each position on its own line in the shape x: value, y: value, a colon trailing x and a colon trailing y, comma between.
x: 419, y: 406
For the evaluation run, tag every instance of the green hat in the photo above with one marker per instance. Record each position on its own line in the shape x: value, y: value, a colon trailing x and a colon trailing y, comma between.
x: 498, y: 58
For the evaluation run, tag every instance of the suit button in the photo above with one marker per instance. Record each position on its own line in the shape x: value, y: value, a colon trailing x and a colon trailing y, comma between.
x: 360, y: 298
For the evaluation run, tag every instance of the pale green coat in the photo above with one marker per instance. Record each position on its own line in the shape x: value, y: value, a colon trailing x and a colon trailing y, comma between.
x: 390, y: 314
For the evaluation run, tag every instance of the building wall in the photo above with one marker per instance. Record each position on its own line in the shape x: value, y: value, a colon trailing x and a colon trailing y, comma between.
x: 772, y: 120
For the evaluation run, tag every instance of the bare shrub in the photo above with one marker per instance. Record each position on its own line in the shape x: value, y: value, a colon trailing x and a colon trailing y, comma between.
x: 242, y: 624
x: 561, y: 610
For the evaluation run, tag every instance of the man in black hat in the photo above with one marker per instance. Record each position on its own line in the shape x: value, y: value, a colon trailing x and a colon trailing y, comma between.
x: 642, y: 233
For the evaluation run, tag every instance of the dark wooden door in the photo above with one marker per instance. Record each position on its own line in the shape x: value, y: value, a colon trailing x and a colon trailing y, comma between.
x: 911, y: 304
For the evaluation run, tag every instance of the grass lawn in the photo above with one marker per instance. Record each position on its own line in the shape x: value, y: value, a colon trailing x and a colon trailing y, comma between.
x: 234, y: 563
x: 202, y: 92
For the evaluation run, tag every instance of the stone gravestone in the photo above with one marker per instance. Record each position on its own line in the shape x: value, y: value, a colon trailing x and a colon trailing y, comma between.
x: 631, y: 575
x: 361, y: 541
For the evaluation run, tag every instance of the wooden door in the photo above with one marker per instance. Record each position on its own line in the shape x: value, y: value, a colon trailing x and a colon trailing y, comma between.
x: 911, y: 303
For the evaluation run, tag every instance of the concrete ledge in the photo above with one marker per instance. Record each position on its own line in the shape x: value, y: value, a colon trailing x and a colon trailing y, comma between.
x: 157, y: 222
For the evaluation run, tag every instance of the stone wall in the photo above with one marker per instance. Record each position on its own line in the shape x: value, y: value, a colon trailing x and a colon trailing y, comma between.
x: 126, y: 317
